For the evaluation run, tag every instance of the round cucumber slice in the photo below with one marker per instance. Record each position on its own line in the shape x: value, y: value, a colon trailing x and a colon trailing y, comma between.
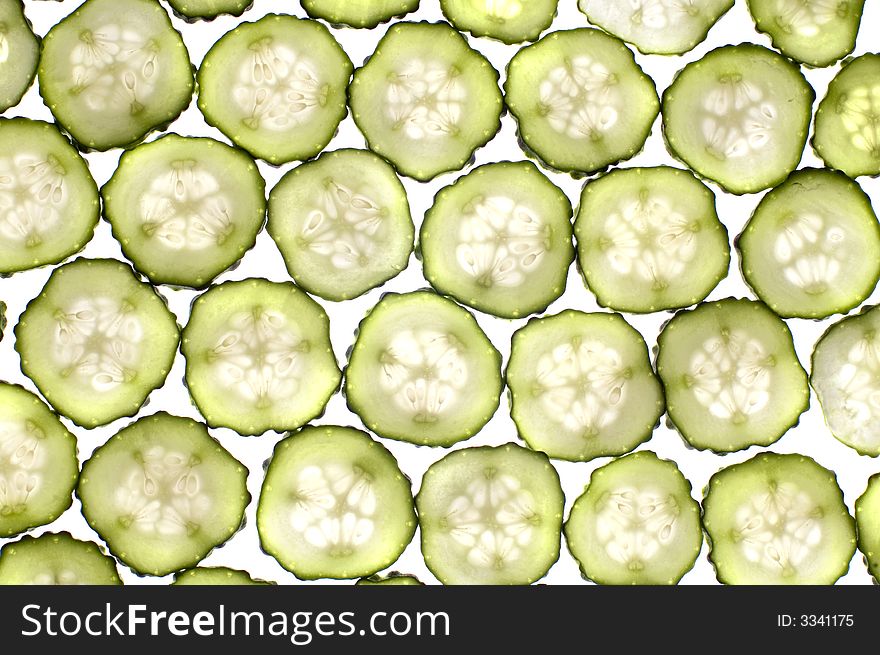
x: 48, y: 200
x: 115, y: 70
x: 276, y: 87
x: 868, y: 522
x: 778, y: 519
x: 334, y: 505
x: 739, y: 116
x: 812, y: 247
x: 56, y: 559
x: 422, y: 371
x: 358, y: 13
x: 582, y: 386
x: 393, y: 579
x: 846, y: 377
x: 649, y: 239
x: 731, y: 375
x: 499, y: 240
x: 185, y: 209
x: 162, y: 493
x: 216, y: 576
x: 846, y: 134
x: 816, y: 33
x: 581, y: 101
x: 258, y: 356
x: 19, y: 53
x: 425, y: 100
x: 664, y: 27
x: 509, y: 21
x: 342, y: 224
x: 490, y: 516
x: 209, y: 9
x: 636, y: 523
x: 96, y: 341
x: 38, y: 463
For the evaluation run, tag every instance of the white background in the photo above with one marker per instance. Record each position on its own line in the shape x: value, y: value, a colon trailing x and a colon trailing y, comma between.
x: 810, y: 437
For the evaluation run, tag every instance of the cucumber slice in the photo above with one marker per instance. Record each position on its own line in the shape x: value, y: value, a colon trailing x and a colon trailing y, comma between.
x: 649, y: 239
x: 509, y: 21
x: 425, y: 100
x: 342, y: 224
x: 334, y: 504
x: 19, y: 53
x: 846, y: 134
x: 392, y: 579
x: 209, y: 9
x: 185, y: 209
x: 216, y: 576
x: 778, y: 519
x: 38, y: 463
x: 582, y: 386
x: 115, y: 70
x: 56, y: 559
x: 358, y: 13
x: 258, y: 356
x: 276, y: 87
x: 422, y: 371
x: 162, y: 493
x: 499, y: 240
x: 846, y: 377
x: 581, y: 100
x: 812, y: 247
x: 490, y: 515
x: 815, y: 32
x: 731, y: 375
x: 2, y: 319
x: 868, y: 522
x: 96, y: 341
x: 636, y: 523
x: 739, y: 116
x: 664, y: 27
x: 48, y: 200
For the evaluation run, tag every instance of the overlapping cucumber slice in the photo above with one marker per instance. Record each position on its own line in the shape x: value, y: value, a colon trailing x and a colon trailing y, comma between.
x: 499, y: 240
x: 258, y: 356
x: 358, y: 13
x: 636, y: 523
x: 425, y: 100
x: 581, y: 101
x: 342, y: 223
x: 868, y: 523
x: 422, y: 371
x: 56, y: 559
x: 162, y: 493
x: 490, y: 515
x: 209, y: 9
x: 49, y: 203
x: 739, y: 116
x: 334, y: 504
x: 96, y: 341
x: 19, y: 53
x: 778, y: 519
x: 582, y: 386
x: 812, y: 247
x: 185, y: 209
x: 215, y: 576
x: 666, y: 27
x: 276, y: 87
x: 816, y: 32
x: 649, y: 239
x: 115, y: 70
x: 509, y: 21
x: 846, y: 133
x: 731, y: 375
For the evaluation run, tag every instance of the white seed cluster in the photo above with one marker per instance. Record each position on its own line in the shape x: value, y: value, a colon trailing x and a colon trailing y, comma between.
x: 635, y: 525
x: 812, y: 251
x: 99, y: 340
x: 4, y: 44
x: 860, y: 114
x: 805, y: 18
x: 581, y: 99
x: 500, y: 10
x: 22, y: 464
x: 33, y: 197
x: 500, y: 242
x: 853, y: 405
x: 333, y: 507
x: 425, y: 99
x: 736, y: 119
